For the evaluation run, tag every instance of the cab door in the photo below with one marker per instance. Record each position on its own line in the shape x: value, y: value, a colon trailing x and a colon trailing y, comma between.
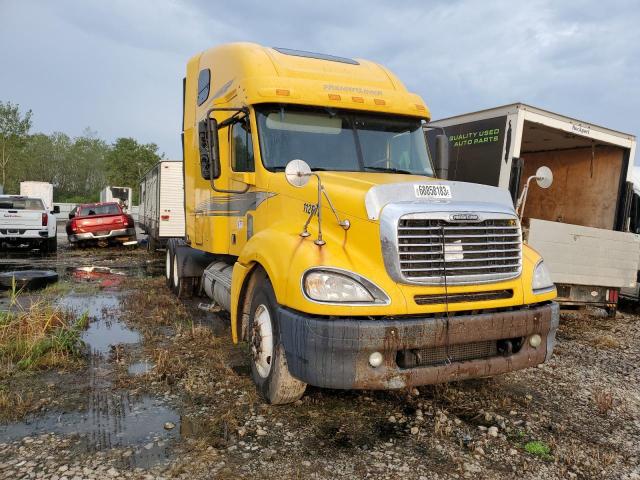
x: 242, y: 177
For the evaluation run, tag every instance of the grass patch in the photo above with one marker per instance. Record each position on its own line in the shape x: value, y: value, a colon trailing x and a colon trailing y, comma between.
x: 539, y: 449
x: 149, y: 301
x: 39, y: 336
x: 66, y: 287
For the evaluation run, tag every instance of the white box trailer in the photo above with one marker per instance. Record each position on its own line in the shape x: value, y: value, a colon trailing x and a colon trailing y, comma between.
x: 122, y: 195
x: 42, y: 190
x: 161, y: 211
x: 580, y: 225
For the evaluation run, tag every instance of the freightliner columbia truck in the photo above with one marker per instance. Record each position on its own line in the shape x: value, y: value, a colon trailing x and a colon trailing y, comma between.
x: 316, y: 218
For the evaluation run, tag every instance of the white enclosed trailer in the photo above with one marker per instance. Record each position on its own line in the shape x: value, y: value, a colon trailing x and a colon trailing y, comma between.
x: 41, y: 190
x: 122, y: 195
x: 161, y: 211
x: 580, y: 225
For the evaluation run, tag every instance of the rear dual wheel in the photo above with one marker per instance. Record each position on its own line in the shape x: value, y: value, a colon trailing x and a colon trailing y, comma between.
x: 182, y: 286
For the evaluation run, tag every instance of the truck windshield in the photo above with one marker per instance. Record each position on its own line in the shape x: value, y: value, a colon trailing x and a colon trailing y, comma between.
x: 21, y: 204
x: 341, y: 140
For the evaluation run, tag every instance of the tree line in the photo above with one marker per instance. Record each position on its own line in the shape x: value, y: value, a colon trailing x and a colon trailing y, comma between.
x: 78, y: 167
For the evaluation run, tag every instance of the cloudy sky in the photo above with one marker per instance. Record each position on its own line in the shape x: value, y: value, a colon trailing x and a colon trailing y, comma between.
x: 116, y: 66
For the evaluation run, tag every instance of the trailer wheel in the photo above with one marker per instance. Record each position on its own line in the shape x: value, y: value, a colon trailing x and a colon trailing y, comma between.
x: 268, y: 360
x: 168, y: 270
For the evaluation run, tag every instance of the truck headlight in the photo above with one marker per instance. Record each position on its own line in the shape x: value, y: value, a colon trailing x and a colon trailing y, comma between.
x: 541, y: 282
x: 338, y: 286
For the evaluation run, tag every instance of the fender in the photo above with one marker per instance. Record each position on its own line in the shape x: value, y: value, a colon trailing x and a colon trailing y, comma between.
x: 238, y: 277
x: 267, y: 248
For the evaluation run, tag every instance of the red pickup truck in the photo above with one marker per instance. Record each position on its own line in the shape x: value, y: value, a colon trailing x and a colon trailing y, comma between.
x: 100, y: 223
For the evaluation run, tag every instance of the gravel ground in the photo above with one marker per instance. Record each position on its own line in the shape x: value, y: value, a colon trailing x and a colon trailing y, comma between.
x: 178, y: 402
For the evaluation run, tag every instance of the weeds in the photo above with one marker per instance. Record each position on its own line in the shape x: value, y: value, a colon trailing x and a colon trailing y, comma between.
x: 539, y: 449
x: 39, y: 336
x: 605, y: 342
x: 14, y: 404
x: 603, y: 400
x: 149, y: 300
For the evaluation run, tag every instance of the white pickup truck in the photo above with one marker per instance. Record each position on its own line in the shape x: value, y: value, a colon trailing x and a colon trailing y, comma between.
x: 24, y: 221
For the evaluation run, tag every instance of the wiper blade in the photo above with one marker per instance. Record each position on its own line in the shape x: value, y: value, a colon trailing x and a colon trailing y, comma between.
x: 388, y: 169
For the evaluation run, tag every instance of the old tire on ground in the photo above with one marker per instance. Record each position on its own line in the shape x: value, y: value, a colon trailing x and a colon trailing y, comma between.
x: 268, y: 360
x: 28, y: 279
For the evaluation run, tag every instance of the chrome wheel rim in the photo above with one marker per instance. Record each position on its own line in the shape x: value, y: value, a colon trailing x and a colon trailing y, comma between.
x: 262, y: 341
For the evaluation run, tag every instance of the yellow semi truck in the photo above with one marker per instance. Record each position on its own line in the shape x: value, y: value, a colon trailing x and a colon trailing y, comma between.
x: 316, y: 217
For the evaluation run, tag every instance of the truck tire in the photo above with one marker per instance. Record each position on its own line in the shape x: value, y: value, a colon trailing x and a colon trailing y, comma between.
x: 182, y: 286
x: 168, y: 266
x: 51, y: 245
x: 267, y: 356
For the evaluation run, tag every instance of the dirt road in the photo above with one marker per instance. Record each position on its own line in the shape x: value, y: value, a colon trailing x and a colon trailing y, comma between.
x: 161, y: 392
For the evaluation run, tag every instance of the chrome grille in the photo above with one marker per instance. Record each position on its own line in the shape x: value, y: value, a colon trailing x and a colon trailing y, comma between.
x: 468, y: 252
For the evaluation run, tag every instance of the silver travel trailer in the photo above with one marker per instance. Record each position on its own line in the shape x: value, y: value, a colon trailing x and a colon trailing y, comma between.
x: 161, y: 211
x: 581, y: 224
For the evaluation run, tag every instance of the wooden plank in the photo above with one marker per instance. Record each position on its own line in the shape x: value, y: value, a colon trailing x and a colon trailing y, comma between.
x: 585, y: 186
x: 585, y: 255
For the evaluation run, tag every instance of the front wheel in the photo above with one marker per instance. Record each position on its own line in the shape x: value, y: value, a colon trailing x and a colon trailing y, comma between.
x: 268, y: 361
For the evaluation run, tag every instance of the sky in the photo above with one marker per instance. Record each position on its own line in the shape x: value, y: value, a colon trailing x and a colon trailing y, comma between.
x: 117, y: 66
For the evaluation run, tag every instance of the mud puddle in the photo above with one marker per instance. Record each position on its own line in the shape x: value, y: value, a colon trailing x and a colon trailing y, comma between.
x: 105, y: 330
x: 94, y: 273
x: 140, y: 368
x: 143, y: 426
x: 112, y: 421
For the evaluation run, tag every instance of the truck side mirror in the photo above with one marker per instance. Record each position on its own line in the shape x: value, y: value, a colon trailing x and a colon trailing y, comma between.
x: 544, y: 177
x: 56, y: 209
x: 442, y: 157
x: 71, y: 215
x: 214, y: 147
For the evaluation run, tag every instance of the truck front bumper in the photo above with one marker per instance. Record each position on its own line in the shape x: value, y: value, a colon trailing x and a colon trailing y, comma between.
x: 123, y: 234
x: 334, y: 353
